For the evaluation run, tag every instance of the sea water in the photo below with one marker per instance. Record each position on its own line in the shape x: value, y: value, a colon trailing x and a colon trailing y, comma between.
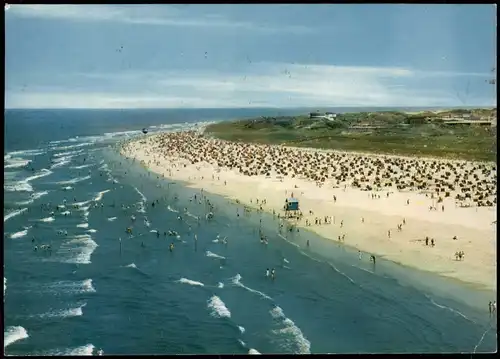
x: 103, y: 288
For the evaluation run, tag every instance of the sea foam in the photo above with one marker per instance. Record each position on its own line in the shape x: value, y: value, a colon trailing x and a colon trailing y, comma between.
x: 19, y: 234
x: 64, y: 313
x: 74, y: 180
x: 299, y: 343
x: 13, y: 214
x: 13, y: 334
x: 190, y: 282
x: 77, y: 250
x: 84, y: 350
x: 218, y: 308
x: 236, y: 280
x: 213, y: 255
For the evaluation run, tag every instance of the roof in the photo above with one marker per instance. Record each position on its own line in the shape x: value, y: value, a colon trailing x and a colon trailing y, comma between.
x: 293, y: 200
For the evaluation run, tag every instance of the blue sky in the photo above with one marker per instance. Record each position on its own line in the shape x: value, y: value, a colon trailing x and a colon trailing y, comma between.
x: 191, y: 56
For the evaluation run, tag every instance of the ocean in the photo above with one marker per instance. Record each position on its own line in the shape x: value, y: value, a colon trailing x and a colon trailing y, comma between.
x: 100, y: 288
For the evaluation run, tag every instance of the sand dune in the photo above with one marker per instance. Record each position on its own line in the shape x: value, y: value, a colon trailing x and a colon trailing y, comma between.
x: 363, y: 197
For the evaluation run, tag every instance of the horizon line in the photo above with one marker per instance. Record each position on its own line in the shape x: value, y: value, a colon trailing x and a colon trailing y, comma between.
x: 236, y: 108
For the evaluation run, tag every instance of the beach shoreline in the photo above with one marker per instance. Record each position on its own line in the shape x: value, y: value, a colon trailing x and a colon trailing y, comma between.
x: 362, y: 221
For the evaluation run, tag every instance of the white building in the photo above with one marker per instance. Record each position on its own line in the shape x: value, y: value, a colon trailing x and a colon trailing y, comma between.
x: 323, y: 116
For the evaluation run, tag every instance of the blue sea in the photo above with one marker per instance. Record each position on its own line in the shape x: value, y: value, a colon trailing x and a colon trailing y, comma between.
x: 101, y: 288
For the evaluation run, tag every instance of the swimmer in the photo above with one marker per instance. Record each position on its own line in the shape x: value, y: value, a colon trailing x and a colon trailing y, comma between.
x: 372, y: 258
x: 267, y: 274
x: 308, y: 242
x: 359, y: 255
x: 273, y: 273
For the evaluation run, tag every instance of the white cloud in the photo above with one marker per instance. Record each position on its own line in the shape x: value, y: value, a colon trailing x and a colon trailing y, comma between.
x: 261, y: 84
x: 141, y: 15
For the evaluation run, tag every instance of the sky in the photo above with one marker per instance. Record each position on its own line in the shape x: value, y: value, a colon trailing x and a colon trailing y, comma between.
x: 237, y: 56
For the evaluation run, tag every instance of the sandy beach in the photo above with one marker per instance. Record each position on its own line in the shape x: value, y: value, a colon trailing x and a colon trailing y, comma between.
x: 389, y: 206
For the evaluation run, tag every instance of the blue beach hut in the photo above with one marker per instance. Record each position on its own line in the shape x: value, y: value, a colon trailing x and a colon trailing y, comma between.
x: 292, y: 204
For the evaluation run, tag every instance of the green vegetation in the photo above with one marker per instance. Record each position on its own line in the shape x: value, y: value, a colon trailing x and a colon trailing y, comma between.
x: 422, y: 134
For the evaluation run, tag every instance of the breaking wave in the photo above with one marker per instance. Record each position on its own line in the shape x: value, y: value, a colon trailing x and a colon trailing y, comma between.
x: 84, y: 350
x: 81, y: 166
x: 13, y: 334
x: 19, y: 234
x: 69, y: 153
x: 190, y: 282
x: 25, y: 153
x: 100, y: 195
x: 13, y: 214
x: 236, y: 280
x: 64, y: 148
x: 24, y: 185
x: 34, y: 197
x: 218, y: 308
x: 213, y: 255
x: 64, y: 313
x: 172, y: 210
x: 74, y: 180
x: 60, y: 287
x: 16, y: 162
x: 78, y: 250
x: 294, y: 339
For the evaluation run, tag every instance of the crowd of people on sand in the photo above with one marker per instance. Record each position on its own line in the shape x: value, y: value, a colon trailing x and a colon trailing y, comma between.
x: 470, y: 184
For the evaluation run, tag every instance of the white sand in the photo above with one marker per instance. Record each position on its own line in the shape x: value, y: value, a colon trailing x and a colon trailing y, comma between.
x: 473, y: 226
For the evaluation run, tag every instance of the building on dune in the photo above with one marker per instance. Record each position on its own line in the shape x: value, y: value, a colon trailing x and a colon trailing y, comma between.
x: 330, y: 116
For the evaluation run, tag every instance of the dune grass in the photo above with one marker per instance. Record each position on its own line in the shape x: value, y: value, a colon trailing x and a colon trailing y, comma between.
x: 386, y: 133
